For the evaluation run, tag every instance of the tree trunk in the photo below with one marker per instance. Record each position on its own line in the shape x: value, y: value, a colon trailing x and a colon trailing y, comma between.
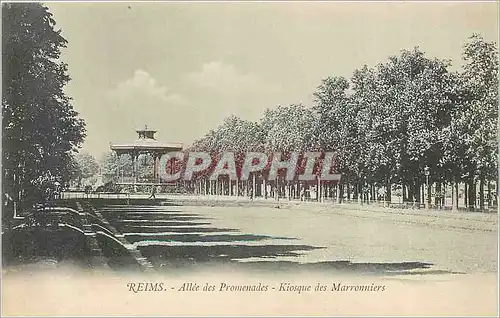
x: 428, y: 193
x: 369, y: 197
x: 466, y: 195
x: 471, y: 194
x: 403, y: 192
x: 417, y: 193
x: 421, y: 189
x: 287, y: 190
x: 497, y: 194
x: 388, y: 193
x: 488, y: 194
x: 276, y: 190
x: 481, y: 193
x: 411, y: 192
x: 254, y: 185
x: 359, y: 192
x: 454, y: 196
x: 318, y: 190
x: 437, y: 197
x: 375, y: 197
x: 264, y: 188
x: 340, y: 192
x: 443, y: 202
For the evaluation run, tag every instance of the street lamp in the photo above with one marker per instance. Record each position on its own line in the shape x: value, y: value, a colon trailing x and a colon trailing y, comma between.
x: 427, y: 172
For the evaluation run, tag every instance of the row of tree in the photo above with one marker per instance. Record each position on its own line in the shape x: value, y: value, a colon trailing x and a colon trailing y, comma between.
x: 389, y: 123
x: 386, y: 125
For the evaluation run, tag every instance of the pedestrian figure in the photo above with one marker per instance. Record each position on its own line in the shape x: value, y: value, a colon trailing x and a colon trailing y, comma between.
x: 7, y: 200
x: 153, y: 192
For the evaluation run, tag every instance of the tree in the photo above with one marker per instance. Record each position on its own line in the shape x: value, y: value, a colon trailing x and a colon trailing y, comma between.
x: 289, y: 128
x: 414, y: 105
x: 391, y: 124
x: 41, y: 130
x: 232, y: 135
x: 387, y: 123
x: 337, y: 128
x: 85, y: 166
x: 472, y: 145
x: 113, y: 166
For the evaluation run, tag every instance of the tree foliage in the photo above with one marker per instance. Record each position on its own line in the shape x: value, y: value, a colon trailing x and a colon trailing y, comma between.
x: 84, y: 166
x: 41, y: 130
x: 387, y: 123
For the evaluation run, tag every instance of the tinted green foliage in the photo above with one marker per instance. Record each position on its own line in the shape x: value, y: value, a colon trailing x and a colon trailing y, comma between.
x: 41, y: 130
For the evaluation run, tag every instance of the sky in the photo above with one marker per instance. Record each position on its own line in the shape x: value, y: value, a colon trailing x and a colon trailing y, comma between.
x: 182, y: 67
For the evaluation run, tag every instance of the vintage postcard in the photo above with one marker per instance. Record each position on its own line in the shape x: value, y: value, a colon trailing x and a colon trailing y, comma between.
x: 250, y: 158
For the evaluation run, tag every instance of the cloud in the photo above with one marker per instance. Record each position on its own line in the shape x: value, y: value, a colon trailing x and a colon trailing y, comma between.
x: 143, y: 87
x: 225, y: 79
x: 141, y: 100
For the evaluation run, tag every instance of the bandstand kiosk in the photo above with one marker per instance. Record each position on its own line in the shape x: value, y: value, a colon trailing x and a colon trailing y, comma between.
x: 146, y: 144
